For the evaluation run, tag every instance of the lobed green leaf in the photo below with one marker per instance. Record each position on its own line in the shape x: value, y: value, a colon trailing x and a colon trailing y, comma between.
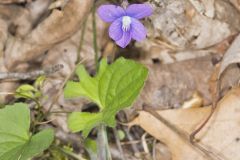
x: 115, y: 87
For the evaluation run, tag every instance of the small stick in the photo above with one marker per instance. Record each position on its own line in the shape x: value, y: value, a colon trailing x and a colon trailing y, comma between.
x: 196, y: 131
x: 215, y: 98
x: 135, y: 141
x: 45, y: 122
x: 118, y: 143
x: 144, y: 143
x: 31, y: 75
x: 128, y: 135
x: 154, y: 149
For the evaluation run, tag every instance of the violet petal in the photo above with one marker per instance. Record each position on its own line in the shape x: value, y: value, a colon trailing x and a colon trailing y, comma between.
x: 139, y: 11
x: 115, y: 30
x: 109, y: 13
x: 125, y: 40
x: 138, y: 31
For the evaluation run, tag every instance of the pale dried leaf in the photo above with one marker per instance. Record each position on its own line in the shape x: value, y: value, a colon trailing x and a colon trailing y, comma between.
x: 38, y: 10
x: 180, y: 23
x: 162, y: 152
x: 219, y: 139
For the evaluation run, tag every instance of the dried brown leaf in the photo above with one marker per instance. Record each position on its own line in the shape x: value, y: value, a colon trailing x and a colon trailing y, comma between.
x: 236, y: 3
x: 174, y: 22
x: 59, y: 26
x: 218, y: 140
x: 170, y: 85
x: 17, y: 19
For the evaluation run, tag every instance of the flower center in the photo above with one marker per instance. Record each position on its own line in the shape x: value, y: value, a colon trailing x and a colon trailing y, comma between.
x: 126, y: 22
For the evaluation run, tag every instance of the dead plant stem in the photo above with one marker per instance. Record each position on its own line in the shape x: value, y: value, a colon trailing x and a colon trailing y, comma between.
x: 30, y: 75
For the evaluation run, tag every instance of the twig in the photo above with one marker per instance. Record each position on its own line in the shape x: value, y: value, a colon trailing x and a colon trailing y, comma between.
x: 195, y: 132
x: 31, y: 75
x: 167, y: 45
x: 144, y: 143
x: 45, y: 122
x: 122, y: 118
x: 154, y: 149
x: 215, y: 99
x: 62, y: 112
x: 118, y: 143
x: 7, y: 93
x: 84, y: 25
x: 55, y: 98
x: 130, y: 137
x: 135, y: 141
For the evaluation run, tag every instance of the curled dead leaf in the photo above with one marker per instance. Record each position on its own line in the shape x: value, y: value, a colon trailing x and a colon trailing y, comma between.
x: 231, y: 56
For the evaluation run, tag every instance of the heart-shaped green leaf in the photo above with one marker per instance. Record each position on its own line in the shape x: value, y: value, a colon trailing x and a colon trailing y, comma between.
x: 16, y: 143
x: 115, y: 87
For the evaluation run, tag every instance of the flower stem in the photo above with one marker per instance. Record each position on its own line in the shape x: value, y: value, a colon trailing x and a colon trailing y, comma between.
x: 95, y: 46
x: 102, y: 140
x: 103, y: 148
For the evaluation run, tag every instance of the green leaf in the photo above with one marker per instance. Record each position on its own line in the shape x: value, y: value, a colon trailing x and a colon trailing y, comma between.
x: 84, y: 121
x: 27, y: 91
x: 115, y: 87
x: 39, y: 81
x: 16, y: 143
x: 91, y: 146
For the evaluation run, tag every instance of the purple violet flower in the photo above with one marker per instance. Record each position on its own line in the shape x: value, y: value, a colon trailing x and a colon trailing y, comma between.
x: 125, y: 22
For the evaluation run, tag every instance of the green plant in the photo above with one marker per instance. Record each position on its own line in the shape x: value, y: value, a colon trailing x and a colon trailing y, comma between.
x: 16, y: 142
x: 115, y: 87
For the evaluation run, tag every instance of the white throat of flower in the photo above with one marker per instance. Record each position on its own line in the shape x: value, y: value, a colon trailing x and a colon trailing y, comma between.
x: 126, y: 22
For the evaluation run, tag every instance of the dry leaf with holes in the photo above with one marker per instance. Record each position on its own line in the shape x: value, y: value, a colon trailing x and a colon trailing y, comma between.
x: 218, y: 140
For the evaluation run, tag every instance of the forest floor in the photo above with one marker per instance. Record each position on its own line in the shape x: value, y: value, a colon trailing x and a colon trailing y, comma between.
x: 192, y: 53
